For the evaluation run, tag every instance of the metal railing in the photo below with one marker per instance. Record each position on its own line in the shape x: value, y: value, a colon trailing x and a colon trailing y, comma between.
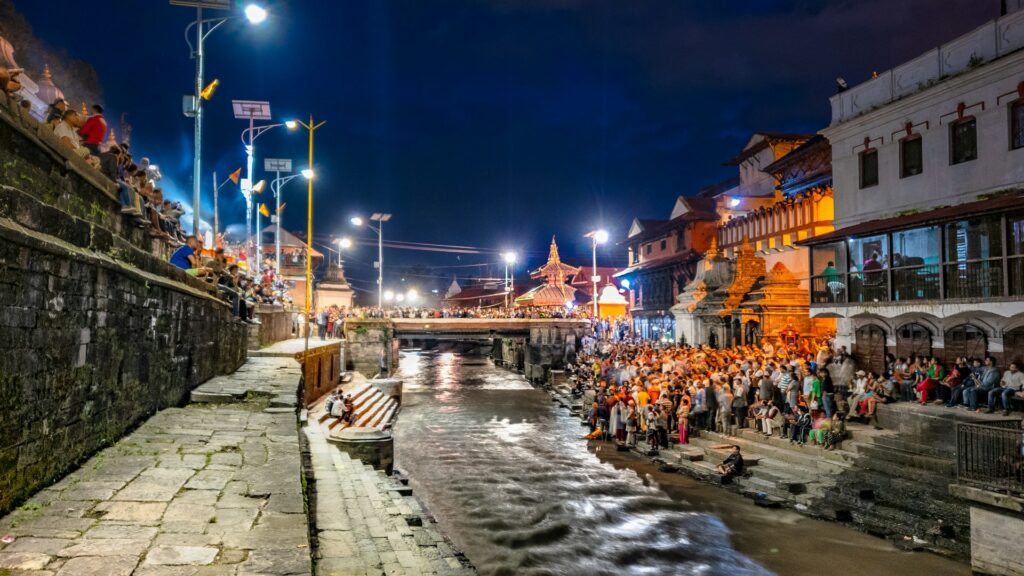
x: 915, y: 282
x: 990, y: 456
x: 974, y: 279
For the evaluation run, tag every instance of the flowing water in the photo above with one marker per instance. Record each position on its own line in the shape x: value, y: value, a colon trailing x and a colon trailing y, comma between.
x: 506, y: 474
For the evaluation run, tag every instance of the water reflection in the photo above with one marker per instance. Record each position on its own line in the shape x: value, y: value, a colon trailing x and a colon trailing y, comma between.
x: 513, y: 484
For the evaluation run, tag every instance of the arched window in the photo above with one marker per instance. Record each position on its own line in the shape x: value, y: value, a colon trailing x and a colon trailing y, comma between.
x: 965, y: 340
x: 913, y: 339
x: 869, y: 348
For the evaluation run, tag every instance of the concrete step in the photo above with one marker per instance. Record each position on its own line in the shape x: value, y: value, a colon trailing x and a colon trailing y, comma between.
x: 943, y: 466
x: 896, y: 442
x: 384, y: 512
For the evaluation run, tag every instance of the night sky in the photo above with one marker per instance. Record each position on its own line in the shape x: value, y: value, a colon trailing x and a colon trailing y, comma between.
x: 493, y: 123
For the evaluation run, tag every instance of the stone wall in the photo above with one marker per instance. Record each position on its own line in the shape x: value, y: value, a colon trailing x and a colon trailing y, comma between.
x: 322, y: 366
x: 96, y: 332
x: 366, y: 341
x: 275, y: 325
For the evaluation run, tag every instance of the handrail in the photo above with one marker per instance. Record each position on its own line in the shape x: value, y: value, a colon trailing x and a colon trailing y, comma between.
x: 990, y: 455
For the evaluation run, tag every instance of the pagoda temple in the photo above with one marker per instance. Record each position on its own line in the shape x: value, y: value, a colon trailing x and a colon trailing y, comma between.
x: 555, y: 292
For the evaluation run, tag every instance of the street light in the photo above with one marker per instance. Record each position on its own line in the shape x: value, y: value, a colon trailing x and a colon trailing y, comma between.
x: 343, y: 244
x: 255, y: 13
x: 279, y: 165
x: 597, y: 237
x: 253, y: 110
x: 380, y: 218
x: 510, y: 280
x: 311, y: 128
x: 194, y: 104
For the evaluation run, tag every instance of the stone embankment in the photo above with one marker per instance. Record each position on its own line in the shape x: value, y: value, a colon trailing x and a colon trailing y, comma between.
x: 206, y: 489
x: 878, y: 482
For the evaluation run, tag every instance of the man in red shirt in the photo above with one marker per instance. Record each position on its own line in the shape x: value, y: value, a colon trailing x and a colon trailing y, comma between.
x: 94, y: 130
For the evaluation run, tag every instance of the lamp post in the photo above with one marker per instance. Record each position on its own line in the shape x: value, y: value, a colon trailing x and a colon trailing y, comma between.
x: 308, y: 173
x: 510, y: 280
x: 204, y: 27
x: 380, y: 219
x: 216, y: 217
x: 596, y: 237
x: 278, y: 165
x: 253, y: 110
x: 343, y: 243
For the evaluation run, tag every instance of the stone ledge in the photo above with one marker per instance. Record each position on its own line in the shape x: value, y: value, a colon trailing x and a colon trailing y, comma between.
x: 987, y: 497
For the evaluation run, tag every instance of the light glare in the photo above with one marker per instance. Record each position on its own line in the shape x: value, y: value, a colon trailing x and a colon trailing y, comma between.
x: 255, y: 14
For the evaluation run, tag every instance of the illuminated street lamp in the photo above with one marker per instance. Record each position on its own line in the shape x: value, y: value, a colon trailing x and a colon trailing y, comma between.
x: 308, y: 173
x: 279, y: 165
x: 253, y: 110
x: 510, y: 279
x: 380, y: 218
x: 255, y: 14
x: 597, y: 237
x: 343, y: 244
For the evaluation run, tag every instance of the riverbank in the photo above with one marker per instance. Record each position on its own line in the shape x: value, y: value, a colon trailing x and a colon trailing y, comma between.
x: 754, y: 510
x: 210, y: 488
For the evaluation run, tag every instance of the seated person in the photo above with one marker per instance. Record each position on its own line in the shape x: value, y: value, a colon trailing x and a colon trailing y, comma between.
x: 837, y: 432
x: 186, y: 256
x: 732, y: 465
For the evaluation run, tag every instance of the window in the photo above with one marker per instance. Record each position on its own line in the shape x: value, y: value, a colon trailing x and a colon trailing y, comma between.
x: 680, y: 240
x: 869, y: 254
x: 911, y: 158
x: 634, y: 254
x: 917, y: 247
x: 664, y: 243
x: 963, y: 137
x: 1017, y: 124
x: 974, y: 239
x: 869, y: 168
x: 648, y: 248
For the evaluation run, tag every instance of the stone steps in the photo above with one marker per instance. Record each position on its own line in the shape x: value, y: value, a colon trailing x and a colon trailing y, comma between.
x: 369, y: 523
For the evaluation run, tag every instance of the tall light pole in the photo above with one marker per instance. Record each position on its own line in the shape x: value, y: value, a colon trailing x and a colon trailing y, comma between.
x: 343, y: 244
x: 275, y: 186
x: 253, y: 110
x: 510, y: 280
x: 380, y: 219
x: 596, y: 237
x: 309, y: 174
x: 194, y: 103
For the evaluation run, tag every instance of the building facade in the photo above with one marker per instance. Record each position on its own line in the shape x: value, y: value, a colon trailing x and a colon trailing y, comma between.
x: 662, y: 260
x: 928, y: 166
x: 752, y: 282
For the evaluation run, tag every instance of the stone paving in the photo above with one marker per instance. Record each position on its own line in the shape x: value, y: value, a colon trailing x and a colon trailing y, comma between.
x: 205, y: 490
x: 368, y: 524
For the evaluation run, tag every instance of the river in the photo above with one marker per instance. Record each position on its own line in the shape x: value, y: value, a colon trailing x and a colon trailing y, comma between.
x: 510, y: 481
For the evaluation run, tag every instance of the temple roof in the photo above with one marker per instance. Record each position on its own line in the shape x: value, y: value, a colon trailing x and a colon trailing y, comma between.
x: 555, y: 271
x: 548, y: 295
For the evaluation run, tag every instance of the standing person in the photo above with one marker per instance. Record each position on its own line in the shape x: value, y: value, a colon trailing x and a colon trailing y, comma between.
x: 801, y: 426
x: 827, y: 392
x: 725, y: 399
x: 683, y: 416
x: 631, y: 424
x: 711, y: 405
x: 94, y: 130
x: 652, y: 426
x: 321, y: 324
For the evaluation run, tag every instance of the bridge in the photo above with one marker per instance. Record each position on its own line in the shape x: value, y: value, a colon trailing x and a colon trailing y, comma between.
x: 476, y: 329
x: 533, y: 345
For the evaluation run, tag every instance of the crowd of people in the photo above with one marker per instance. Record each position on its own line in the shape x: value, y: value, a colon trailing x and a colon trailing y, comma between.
x: 806, y: 393
x: 242, y: 289
x: 141, y: 197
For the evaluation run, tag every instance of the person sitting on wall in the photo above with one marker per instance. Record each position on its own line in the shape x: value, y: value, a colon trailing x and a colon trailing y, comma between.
x: 987, y: 380
x: 732, y: 465
x: 1011, y: 383
x: 185, y: 257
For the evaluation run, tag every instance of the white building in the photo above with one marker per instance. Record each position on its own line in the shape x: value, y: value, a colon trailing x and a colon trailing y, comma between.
x: 928, y: 175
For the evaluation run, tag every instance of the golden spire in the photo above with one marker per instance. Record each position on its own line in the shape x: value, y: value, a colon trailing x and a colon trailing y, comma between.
x: 46, y: 72
x: 85, y: 110
x: 713, y: 249
x: 112, y: 141
x: 553, y: 252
